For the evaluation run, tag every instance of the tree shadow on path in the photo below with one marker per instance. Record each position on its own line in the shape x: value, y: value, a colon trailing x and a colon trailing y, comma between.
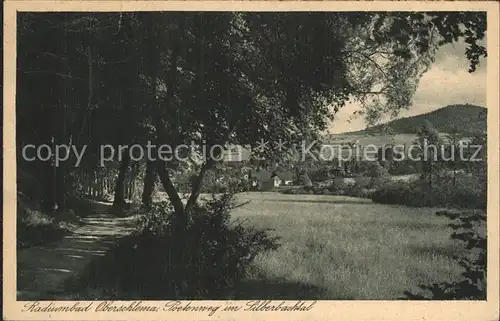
x: 42, y: 270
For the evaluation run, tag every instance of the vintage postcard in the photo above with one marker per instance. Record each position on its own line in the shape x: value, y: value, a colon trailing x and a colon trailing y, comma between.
x: 255, y: 160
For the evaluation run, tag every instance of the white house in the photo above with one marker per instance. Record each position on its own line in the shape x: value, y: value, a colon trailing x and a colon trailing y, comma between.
x: 282, y: 178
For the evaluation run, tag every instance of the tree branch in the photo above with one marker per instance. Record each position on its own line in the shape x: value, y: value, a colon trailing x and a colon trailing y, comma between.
x: 196, y: 189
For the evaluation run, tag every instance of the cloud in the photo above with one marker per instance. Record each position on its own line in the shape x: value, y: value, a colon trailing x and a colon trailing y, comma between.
x: 452, y: 57
x: 447, y: 82
x: 440, y: 87
x: 344, y: 121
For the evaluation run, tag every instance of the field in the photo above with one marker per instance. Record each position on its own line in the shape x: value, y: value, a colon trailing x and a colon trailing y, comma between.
x: 363, y: 139
x: 337, y: 247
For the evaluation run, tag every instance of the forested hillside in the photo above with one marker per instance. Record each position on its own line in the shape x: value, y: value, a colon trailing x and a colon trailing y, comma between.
x: 466, y: 119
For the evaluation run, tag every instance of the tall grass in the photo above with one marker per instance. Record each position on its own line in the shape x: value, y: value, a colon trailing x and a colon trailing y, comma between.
x: 352, y: 248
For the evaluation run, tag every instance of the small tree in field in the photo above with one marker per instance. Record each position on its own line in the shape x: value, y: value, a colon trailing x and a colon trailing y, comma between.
x: 453, y: 151
x: 429, y: 142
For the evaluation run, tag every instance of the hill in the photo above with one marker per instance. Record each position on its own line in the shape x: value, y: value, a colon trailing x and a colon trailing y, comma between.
x: 466, y: 119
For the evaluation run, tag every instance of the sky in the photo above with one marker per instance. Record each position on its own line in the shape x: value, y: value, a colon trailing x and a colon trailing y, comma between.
x: 447, y: 82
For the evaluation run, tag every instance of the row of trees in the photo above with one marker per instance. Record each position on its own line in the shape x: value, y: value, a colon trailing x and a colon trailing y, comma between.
x: 451, y: 153
x: 213, y: 79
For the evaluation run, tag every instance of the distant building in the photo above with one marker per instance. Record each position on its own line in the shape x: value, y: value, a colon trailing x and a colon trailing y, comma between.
x: 261, y: 179
x: 264, y: 180
x: 283, y: 178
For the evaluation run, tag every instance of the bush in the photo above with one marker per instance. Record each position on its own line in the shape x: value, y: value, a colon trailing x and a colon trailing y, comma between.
x: 35, y: 228
x: 358, y: 191
x: 217, y: 181
x: 338, y: 187
x: 156, y: 219
x: 363, y: 182
x: 320, y: 175
x: 298, y: 191
x: 393, y: 193
x: 289, y: 191
x: 470, y: 192
x: 378, y: 182
x: 468, y: 198
x: 465, y: 194
x: 335, y: 187
x: 402, y: 168
x: 361, y: 188
x: 157, y: 261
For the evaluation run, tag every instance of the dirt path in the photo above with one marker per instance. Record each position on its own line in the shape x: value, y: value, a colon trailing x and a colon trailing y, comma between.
x: 42, y: 270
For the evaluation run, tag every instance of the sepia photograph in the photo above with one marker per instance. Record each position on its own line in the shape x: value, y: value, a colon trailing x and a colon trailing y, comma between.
x: 276, y: 157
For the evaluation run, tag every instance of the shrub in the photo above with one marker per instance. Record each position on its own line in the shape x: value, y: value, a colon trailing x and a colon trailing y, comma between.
x: 157, y: 261
x: 402, y: 168
x: 289, y: 191
x: 393, y: 193
x: 378, y: 182
x: 358, y: 191
x: 309, y: 189
x: 465, y: 194
x: 466, y: 198
x: 374, y: 169
x: 299, y: 191
x: 321, y: 191
x: 335, y: 187
x: 338, y: 187
x: 35, y: 228
x: 363, y: 182
x: 217, y: 181
x: 320, y: 175
x: 470, y: 191
x: 404, y: 193
x: 156, y: 219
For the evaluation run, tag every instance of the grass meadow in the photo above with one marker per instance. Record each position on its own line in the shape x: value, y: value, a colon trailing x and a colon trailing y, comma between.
x: 336, y: 247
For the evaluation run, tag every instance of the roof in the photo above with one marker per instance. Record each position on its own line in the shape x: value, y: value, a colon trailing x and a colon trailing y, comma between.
x: 261, y: 175
x: 284, y: 175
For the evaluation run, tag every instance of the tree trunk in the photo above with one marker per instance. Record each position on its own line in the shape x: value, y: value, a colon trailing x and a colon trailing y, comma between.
x: 196, y: 187
x: 131, y: 189
x: 88, y: 181
x: 134, y: 187
x: 154, y: 60
x: 94, y: 184
x: 133, y: 176
x: 149, y: 184
x: 47, y: 182
x: 110, y: 186
x: 127, y: 188
x: 61, y: 188
x: 102, y: 189
x: 103, y: 185
x: 170, y: 189
x: 119, y: 200
x: 430, y: 174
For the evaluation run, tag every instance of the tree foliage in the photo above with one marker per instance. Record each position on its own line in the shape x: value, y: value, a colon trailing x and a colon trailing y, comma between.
x: 215, y: 78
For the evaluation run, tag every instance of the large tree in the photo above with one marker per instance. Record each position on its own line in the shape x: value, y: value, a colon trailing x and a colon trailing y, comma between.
x: 218, y: 78
x: 245, y: 77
